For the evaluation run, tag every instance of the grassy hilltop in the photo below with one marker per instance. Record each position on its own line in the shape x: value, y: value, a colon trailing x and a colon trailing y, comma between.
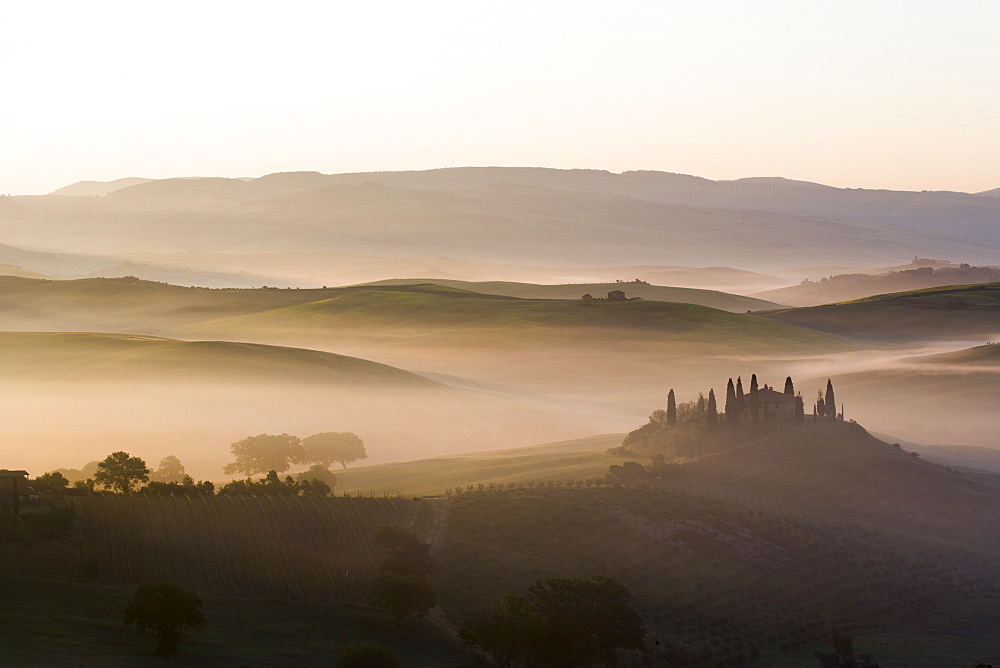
x: 951, y: 312
x: 711, y: 298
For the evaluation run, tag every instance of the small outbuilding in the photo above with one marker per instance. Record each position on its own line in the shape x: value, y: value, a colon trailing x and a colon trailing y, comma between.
x: 617, y: 296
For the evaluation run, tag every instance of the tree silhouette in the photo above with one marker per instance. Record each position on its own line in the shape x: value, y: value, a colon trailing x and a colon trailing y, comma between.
x: 402, y: 594
x: 328, y: 447
x: 169, y: 470
x: 263, y: 453
x: 407, y: 554
x: 166, y: 609
x: 671, y: 409
x: 831, y: 400
x: 732, y: 412
x: 800, y: 411
x: 789, y: 387
x: 753, y: 383
x: 712, y: 415
x: 121, y: 471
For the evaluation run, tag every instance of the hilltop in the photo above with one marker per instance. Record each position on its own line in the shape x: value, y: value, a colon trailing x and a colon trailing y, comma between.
x: 950, y: 312
x: 711, y: 298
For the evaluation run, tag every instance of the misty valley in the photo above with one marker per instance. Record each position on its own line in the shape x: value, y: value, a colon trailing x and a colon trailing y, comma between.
x: 499, y: 417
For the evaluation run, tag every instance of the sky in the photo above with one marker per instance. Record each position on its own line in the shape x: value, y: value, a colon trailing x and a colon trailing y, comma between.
x: 874, y: 94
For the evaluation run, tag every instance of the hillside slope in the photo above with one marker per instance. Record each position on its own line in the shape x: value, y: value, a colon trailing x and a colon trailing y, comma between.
x: 960, y: 312
x: 711, y: 298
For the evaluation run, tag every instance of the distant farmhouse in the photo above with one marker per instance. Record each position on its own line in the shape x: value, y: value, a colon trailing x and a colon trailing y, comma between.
x: 772, y: 406
x: 13, y: 485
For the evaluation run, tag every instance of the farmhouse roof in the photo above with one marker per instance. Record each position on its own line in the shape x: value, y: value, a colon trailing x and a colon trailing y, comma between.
x: 4, y: 473
x: 770, y: 396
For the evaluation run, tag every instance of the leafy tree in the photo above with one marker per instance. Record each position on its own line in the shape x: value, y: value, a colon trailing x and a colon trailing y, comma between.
x: 561, y: 622
x: 121, y: 471
x: 50, y: 483
x: 169, y: 470
x: 671, y: 409
x: 366, y: 654
x: 712, y: 418
x: 407, y: 554
x: 843, y: 654
x: 263, y: 453
x: 318, y: 472
x: 314, y: 487
x: 831, y: 400
x: 402, y: 594
x: 333, y: 446
x: 168, y: 610
x: 658, y: 417
x: 789, y: 387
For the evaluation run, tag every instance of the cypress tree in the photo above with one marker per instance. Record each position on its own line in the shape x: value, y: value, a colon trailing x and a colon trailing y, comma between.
x: 712, y: 412
x: 800, y: 410
x: 831, y: 401
x: 740, y: 397
x: 820, y: 406
x: 753, y: 383
x: 671, y: 409
x: 731, y: 410
x: 789, y: 387
x: 700, y: 406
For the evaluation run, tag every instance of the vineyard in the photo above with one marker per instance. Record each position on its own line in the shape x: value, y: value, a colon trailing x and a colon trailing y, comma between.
x: 307, y: 548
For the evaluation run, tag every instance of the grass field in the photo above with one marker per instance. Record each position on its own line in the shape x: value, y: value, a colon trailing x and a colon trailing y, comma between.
x: 711, y: 298
x: 964, y: 312
x: 566, y: 461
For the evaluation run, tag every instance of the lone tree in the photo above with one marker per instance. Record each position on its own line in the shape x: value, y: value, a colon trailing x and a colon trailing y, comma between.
x: 789, y: 387
x: 263, y: 453
x: 333, y: 446
x: 831, y: 400
x: 121, y: 471
x: 402, y: 594
x: 407, y: 554
x: 561, y: 622
x: 671, y: 409
x: 166, y: 609
x: 169, y: 470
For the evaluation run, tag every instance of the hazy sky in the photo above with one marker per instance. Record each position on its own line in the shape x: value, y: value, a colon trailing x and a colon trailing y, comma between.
x: 878, y: 94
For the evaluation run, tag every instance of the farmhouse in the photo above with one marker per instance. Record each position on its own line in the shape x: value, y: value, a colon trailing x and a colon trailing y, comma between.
x: 772, y: 406
x: 13, y: 485
x: 617, y: 296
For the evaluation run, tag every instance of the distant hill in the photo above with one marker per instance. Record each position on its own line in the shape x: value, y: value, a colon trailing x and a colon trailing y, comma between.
x: 846, y: 287
x: 98, y: 188
x: 68, y: 356
x: 990, y: 193
x: 980, y: 356
x: 12, y: 270
x: 710, y: 298
x: 961, y: 312
x: 519, y: 216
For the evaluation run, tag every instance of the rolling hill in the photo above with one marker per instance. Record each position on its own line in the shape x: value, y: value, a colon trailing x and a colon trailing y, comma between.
x: 68, y: 356
x: 710, y: 298
x: 960, y: 312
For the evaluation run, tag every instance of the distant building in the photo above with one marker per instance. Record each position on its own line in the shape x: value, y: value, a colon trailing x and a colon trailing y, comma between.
x: 13, y: 485
x: 772, y: 406
x: 616, y: 296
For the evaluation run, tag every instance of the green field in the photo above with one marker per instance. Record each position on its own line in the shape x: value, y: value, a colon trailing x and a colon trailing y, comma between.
x: 71, y: 355
x: 711, y: 298
x: 953, y: 312
x: 566, y: 461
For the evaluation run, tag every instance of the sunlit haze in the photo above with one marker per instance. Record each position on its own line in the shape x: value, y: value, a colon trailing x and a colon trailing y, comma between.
x: 897, y: 95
